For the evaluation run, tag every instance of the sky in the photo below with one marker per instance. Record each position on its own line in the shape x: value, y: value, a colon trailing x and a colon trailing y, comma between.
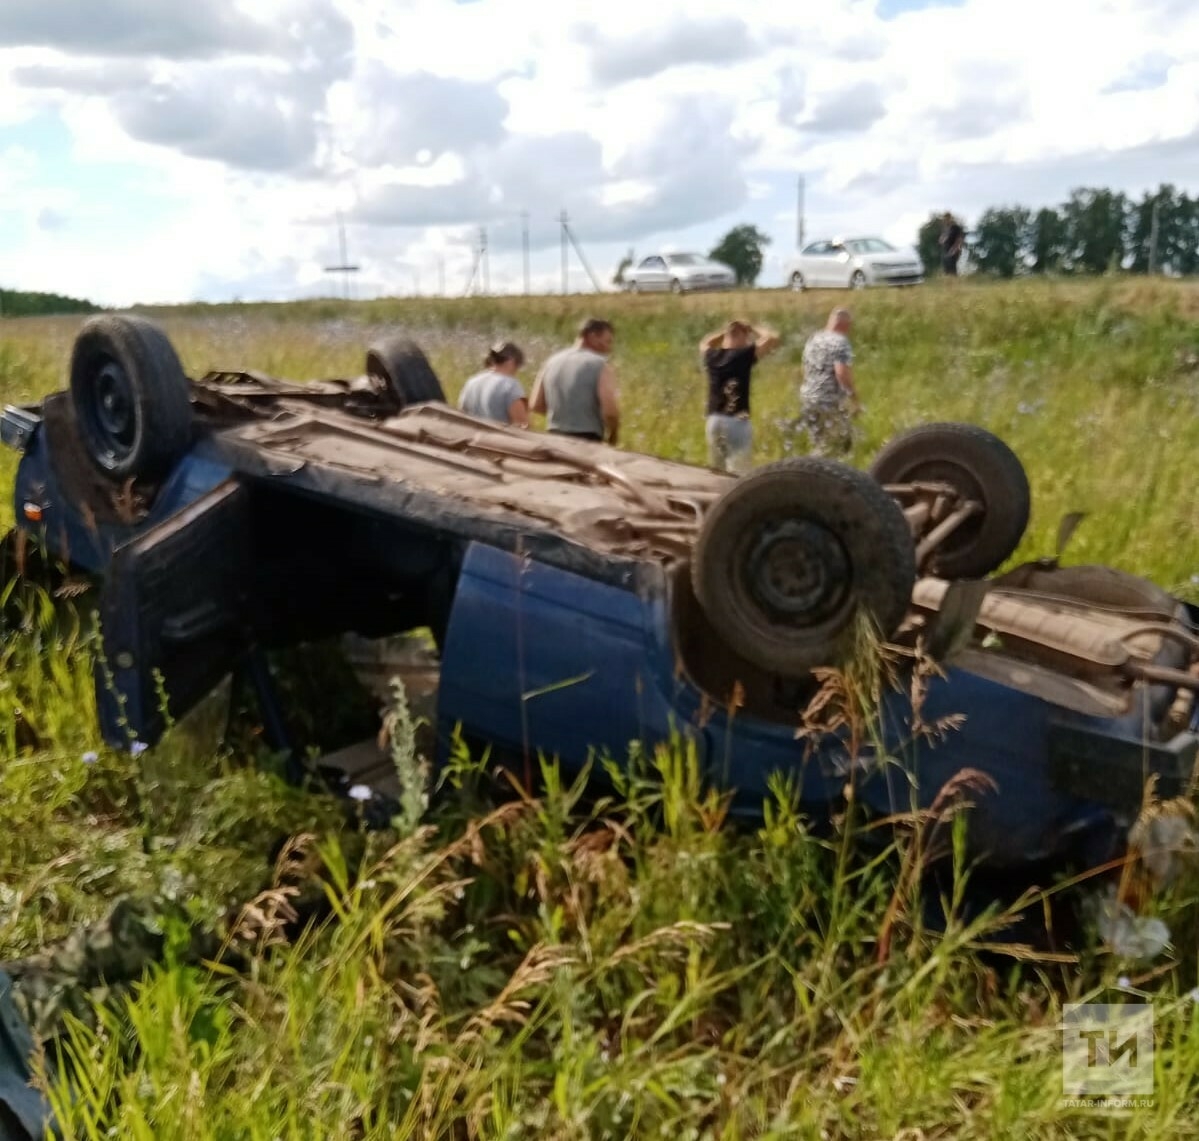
x: 156, y: 151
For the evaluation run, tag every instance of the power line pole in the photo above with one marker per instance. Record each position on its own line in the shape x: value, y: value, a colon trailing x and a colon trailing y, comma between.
x: 1153, y: 237
x: 474, y: 269
x: 486, y: 260
x: 344, y: 267
x: 799, y: 226
x: 524, y: 241
x: 565, y: 256
x: 578, y: 250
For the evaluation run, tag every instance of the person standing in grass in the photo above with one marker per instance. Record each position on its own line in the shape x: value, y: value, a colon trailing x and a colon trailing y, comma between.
x: 495, y: 393
x: 952, y: 238
x: 576, y: 389
x: 828, y: 399
x: 728, y: 357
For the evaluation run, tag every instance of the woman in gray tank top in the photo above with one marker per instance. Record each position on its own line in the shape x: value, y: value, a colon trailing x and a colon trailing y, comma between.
x: 495, y: 393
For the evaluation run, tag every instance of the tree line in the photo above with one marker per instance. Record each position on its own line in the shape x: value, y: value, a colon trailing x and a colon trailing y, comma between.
x: 17, y: 303
x: 1094, y: 231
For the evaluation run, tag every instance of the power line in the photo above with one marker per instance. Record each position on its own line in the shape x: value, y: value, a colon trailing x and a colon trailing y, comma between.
x: 1153, y: 237
x: 799, y: 219
x: 474, y: 269
x: 565, y: 257
x: 344, y: 267
x: 524, y: 241
x: 568, y: 235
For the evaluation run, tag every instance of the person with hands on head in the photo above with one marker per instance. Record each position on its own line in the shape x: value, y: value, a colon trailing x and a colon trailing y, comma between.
x: 729, y: 356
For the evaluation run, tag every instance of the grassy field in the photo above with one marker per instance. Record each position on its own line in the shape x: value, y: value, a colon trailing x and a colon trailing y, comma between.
x: 552, y: 968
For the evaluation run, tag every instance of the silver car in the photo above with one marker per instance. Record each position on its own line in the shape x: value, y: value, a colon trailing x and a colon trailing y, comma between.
x: 678, y: 273
x: 853, y: 263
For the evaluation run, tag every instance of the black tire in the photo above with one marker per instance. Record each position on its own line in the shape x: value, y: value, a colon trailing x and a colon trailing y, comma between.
x: 980, y: 466
x: 410, y: 378
x: 802, y: 525
x: 130, y: 396
x: 676, y: 286
x: 858, y: 280
x: 634, y: 287
x: 797, y: 282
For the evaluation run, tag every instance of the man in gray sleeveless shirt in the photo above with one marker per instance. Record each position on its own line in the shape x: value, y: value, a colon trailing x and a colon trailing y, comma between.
x: 576, y: 388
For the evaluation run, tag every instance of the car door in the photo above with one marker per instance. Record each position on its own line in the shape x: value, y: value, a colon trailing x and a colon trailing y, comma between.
x: 839, y: 265
x: 814, y: 263
x: 657, y: 276
x: 173, y: 615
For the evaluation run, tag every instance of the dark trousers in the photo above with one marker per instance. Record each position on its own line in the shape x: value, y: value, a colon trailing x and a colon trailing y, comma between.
x: 577, y: 435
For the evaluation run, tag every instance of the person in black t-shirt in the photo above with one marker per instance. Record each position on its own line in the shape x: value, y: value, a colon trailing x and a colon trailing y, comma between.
x: 951, y: 240
x: 728, y: 358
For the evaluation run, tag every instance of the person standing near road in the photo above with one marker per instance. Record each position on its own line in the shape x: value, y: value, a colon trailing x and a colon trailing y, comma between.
x: 576, y: 389
x: 828, y: 398
x: 729, y: 356
x: 495, y: 393
x: 952, y: 239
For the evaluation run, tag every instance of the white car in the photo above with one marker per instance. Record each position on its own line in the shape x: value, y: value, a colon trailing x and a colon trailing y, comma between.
x: 854, y: 263
x: 678, y: 273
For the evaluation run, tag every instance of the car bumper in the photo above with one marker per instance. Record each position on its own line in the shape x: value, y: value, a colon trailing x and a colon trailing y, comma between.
x: 890, y: 278
x: 705, y: 285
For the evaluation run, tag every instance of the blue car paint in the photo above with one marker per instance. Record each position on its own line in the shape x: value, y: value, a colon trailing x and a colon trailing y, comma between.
x: 86, y: 545
x: 540, y: 660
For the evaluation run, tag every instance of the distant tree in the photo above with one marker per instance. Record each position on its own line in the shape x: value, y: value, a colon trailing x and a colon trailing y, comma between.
x: 1187, y: 253
x: 1096, y: 231
x: 1000, y: 241
x: 16, y: 303
x: 742, y: 250
x: 625, y: 263
x: 1048, y: 241
x: 927, y: 245
x: 1097, y: 223
x: 1177, y: 249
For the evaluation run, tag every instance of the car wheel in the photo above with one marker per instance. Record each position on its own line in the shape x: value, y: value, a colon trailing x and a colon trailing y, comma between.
x: 634, y: 287
x: 130, y: 397
x: 676, y: 286
x: 791, y: 555
x: 858, y: 281
x: 400, y: 363
x: 979, y: 466
x: 797, y: 282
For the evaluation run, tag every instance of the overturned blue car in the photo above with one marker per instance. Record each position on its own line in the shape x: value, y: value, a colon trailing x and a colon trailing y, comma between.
x: 582, y: 598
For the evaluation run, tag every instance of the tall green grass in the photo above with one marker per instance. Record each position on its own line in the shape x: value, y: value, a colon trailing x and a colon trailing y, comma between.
x: 633, y: 967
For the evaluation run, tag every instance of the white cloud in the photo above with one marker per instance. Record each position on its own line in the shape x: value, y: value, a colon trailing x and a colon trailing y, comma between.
x: 716, y: 41
x: 207, y: 147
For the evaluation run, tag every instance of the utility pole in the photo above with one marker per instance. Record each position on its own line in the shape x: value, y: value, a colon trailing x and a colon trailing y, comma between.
x: 486, y: 260
x: 344, y: 267
x: 565, y: 257
x: 1153, y: 238
x: 799, y: 226
x: 524, y: 242
x: 474, y: 269
x: 578, y: 250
